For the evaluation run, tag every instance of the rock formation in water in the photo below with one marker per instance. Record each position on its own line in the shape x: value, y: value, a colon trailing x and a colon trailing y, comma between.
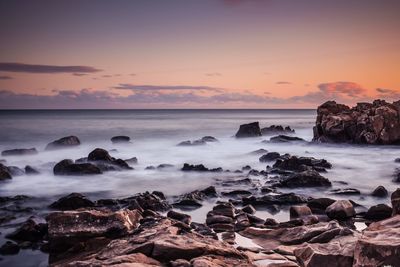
x: 366, y: 123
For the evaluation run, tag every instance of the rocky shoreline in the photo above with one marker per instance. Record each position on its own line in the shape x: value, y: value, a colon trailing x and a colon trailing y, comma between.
x: 156, y: 229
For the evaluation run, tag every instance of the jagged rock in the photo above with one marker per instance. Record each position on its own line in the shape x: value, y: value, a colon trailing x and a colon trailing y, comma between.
x: 340, y: 210
x: 148, y: 201
x: 395, y: 199
x: 379, y: 212
x: 72, y: 201
x: 276, y: 129
x: 29, y: 170
x: 120, y: 139
x: 294, y: 163
x: 380, y: 191
x: 271, y: 156
x: 65, y: 142
x: 285, y: 139
x: 379, y: 244
x: 199, y: 168
x: 19, y: 152
x: 345, y: 191
x: 9, y: 248
x: 179, y: 216
x: 249, y: 209
x: 105, y: 162
x: 280, y: 199
x: 4, y: 172
x: 68, y: 167
x: 29, y: 231
x: 367, y: 123
x: 132, y: 161
x: 193, y: 199
x: 249, y: 130
x: 309, y: 178
x: 260, y: 151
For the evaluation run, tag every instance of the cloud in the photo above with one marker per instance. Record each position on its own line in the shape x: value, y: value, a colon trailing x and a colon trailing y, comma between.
x: 49, y: 69
x: 79, y: 74
x: 283, y: 82
x: 127, y: 86
x: 106, y: 76
x: 388, y: 93
x: 4, y: 77
x: 213, y: 74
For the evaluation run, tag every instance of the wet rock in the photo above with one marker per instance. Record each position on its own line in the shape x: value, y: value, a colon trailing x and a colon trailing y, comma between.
x: 193, y: 199
x: 100, y: 154
x: 249, y: 209
x: 65, y: 142
x: 68, y: 167
x: 299, y: 211
x: 9, y: 248
x: 190, y: 143
x: 225, y: 209
x: 280, y: 199
x: 294, y: 163
x: 285, y: 139
x: 218, y: 219
x: 105, y: 162
x: 132, y: 161
x: 15, y: 171
x: 319, y: 205
x: 379, y: 212
x: 29, y: 170
x: 309, y: 178
x: 379, y: 244
x: 271, y: 156
x: 67, y: 227
x: 165, y: 166
x: 395, y: 199
x: 345, y: 191
x: 276, y: 129
x: 199, y: 168
x: 260, y: 151
x: 270, y: 222
x: 246, y: 168
x: 249, y: 130
x: 340, y: 210
x: 148, y: 201
x: 236, y: 193
x: 209, y: 139
x: 29, y: 231
x: 180, y: 263
x: 150, y: 168
x: 72, y: 201
x: 337, y: 253
x: 254, y: 220
x: 380, y: 191
x: 179, y: 216
x: 204, y: 230
x: 366, y: 123
x: 4, y: 172
x: 120, y: 139
x: 19, y: 152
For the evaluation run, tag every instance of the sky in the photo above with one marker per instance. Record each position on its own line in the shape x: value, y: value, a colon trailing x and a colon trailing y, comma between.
x: 74, y: 54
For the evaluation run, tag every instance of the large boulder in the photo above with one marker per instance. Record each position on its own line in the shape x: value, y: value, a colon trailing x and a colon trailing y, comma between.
x: 366, y: 123
x: 295, y: 163
x: 340, y: 210
x: 65, y: 142
x: 68, y: 167
x: 379, y: 244
x: 72, y: 201
x: 19, y: 152
x: 249, y: 130
x: 105, y: 162
x: 309, y: 178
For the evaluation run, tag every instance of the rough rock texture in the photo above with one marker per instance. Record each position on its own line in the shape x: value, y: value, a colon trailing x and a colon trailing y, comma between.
x: 380, y: 191
x: 379, y: 244
x: 249, y: 130
x: 19, y: 152
x: 65, y: 142
x: 269, y: 157
x: 72, y: 201
x: 366, y: 123
x: 68, y: 167
x: 285, y: 139
x: 4, y: 172
x: 341, y: 210
x: 395, y: 198
x: 378, y: 212
x: 276, y: 129
x: 29, y: 231
x: 294, y: 163
x: 308, y: 178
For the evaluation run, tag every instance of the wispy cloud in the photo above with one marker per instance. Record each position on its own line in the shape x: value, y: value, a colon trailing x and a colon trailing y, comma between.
x: 283, y: 82
x: 4, y: 77
x: 79, y: 74
x: 50, y: 69
x: 144, y: 88
x: 213, y: 74
x: 388, y: 93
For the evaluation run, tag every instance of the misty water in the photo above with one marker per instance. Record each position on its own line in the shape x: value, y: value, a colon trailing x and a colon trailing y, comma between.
x: 154, y: 136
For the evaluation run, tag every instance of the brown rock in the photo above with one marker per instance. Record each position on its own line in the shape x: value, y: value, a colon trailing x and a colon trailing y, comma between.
x: 340, y: 210
x: 299, y: 211
x: 395, y: 198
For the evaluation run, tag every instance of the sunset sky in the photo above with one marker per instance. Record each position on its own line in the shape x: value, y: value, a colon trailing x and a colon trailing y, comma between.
x: 197, y: 53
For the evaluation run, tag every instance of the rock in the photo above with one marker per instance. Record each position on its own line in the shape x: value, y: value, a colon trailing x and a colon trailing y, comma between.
x: 379, y: 212
x: 29, y: 170
x: 236, y: 193
x: 209, y: 139
x: 68, y: 167
x: 15, y: 171
x: 120, y: 139
x: 65, y: 142
x: 308, y: 178
x: 285, y: 139
x: 29, y: 231
x: 276, y: 129
x: 345, y: 191
x: 340, y: 210
x: 9, y: 248
x: 105, y: 162
x: 218, y: 219
x: 179, y: 216
x: 193, y: 199
x: 72, y: 201
x: 380, y: 191
x: 199, y: 168
x: 67, y: 227
x: 225, y: 209
x: 337, y: 253
x: 319, y: 205
x: 19, y: 152
x: 260, y: 151
x: 4, y: 172
x: 395, y: 199
x: 180, y: 263
x: 132, y: 161
x: 249, y: 130
x: 294, y: 163
x: 280, y: 199
x: 367, y: 123
x: 270, y: 222
x: 100, y: 154
x: 271, y: 156
x: 148, y: 201
x: 299, y: 211
x: 249, y: 209
x: 379, y: 244
x: 165, y: 166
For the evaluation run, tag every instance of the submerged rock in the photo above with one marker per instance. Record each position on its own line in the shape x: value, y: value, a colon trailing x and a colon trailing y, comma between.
x: 285, y: 139
x: 276, y: 129
x: 199, y: 168
x: 193, y: 199
x: 19, y: 152
x: 4, y: 172
x: 295, y: 163
x: 72, y: 201
x: 249, y: 130
x: 380, y: 191
x: 271, y: 156
x: 30, y: 170
x: 366, y: 123
x: 68, y: 167
x: 65, y: 142
x: 120, y: 139
x: 105, y: 162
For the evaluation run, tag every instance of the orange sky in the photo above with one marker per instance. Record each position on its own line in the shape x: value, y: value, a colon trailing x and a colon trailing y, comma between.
x: 198, y: 54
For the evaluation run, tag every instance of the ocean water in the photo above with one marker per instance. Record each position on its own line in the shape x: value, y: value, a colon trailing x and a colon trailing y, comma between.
x: 154, y: 135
